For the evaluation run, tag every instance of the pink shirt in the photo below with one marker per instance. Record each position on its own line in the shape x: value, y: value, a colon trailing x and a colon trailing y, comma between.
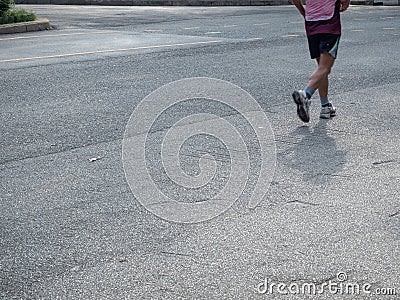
x: 322, y: 16
x: 318, y: 10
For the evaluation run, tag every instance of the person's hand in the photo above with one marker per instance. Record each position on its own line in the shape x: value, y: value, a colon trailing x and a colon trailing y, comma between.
x: 344, y: 5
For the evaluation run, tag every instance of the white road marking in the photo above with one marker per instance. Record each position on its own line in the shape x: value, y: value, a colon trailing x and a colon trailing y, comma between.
x: 110, y: 51
x: 254, y: 39
x: 261, y: 24
x: 190, y: 28
x: 357, y: 30
x: 153, y: 30
x: 53, y: 35
x: 213, y: 32
x: 290, y: 35
x: 228, y: 26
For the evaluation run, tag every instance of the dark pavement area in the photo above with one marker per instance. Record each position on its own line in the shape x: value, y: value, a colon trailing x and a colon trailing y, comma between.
x: 70, y: 228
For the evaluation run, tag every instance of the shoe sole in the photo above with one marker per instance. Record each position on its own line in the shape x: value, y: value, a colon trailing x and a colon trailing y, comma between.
x: 301, y: 110
x: 327, y: 116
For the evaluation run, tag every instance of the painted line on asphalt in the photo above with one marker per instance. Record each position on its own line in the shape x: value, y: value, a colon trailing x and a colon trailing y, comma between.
x: 213, y: 32
x: 357, y: 30
x: 290, y: 35
x: 190, y: 28
x: 110, y: 51
x: 261, y: 24
x: 153, y: 30
x: 389, y: 28
x: 228, y: 26
x: 53, y: 35
x: 254, y: 39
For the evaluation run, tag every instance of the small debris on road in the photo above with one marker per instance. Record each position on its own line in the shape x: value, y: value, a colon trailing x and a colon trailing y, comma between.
x: 95, y: 158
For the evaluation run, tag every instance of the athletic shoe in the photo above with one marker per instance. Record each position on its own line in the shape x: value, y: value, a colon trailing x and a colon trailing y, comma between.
x: 327, y: 111
x: 303, y: 105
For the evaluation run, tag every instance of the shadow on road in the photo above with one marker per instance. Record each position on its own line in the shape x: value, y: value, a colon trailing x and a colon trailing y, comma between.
x: 315, y: 155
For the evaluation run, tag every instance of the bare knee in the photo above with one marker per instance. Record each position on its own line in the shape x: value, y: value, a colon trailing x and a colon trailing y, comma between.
x: 325, y: 63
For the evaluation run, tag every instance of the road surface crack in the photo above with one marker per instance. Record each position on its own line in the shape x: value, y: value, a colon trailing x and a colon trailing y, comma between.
x: 381, y: 162
x: 302, y: 202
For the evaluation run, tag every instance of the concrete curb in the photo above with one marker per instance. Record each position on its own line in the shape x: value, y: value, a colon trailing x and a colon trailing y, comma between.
x: 387, y: 2
x: 39, y: 24
x: 362, y: 2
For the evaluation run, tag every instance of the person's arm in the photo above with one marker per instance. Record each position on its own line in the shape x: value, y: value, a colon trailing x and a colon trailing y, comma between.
x: 300, y: 6
x: 344, y: 5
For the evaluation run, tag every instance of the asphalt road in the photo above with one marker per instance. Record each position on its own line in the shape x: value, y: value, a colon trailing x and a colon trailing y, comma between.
x: 70, y: 228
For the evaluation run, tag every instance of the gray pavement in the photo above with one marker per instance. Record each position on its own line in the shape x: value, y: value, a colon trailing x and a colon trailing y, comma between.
x: 70, y: 228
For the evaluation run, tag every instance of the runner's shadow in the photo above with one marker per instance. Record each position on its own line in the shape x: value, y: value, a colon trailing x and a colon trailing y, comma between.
x: 316, y: 154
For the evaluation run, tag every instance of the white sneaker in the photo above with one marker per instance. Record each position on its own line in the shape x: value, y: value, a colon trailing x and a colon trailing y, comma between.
x: 327, y: 111
x: 303, y: 105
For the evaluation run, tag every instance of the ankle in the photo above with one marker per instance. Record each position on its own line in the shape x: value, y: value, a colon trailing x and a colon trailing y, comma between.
x: 308, y: 92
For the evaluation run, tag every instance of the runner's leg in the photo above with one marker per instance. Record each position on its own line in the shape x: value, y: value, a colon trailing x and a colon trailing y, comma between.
x: 323, y: 89
x: 319, y: 79
x: 327, y: 109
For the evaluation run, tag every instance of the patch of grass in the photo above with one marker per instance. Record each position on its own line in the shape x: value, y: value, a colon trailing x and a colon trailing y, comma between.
x: 5, y: 5
x: 17, y: 15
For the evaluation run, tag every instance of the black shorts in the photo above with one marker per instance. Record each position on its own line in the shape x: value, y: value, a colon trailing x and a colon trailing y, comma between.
x: 323, y: 42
